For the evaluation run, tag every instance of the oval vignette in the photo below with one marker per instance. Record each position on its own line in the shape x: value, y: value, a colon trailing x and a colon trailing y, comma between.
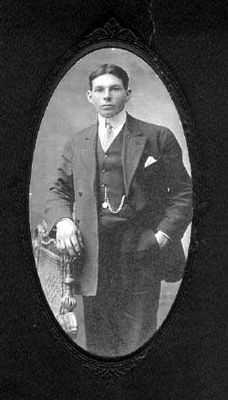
x: 115, y: 322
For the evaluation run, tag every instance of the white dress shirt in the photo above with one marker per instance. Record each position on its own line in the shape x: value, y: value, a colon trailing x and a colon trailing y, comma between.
x: 117, y: 122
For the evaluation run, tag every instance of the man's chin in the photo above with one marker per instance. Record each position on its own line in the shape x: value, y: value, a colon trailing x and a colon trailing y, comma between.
x: 108, y: 113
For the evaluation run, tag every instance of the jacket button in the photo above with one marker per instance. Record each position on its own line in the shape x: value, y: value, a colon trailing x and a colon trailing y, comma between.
x: 102, y: 185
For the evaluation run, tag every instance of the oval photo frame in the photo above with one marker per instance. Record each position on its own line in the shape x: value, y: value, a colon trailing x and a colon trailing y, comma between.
x: 119, y: 321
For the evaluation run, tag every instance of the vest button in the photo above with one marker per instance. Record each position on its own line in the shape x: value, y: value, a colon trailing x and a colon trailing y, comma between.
x: 102, y: 185
x: 103, y: 170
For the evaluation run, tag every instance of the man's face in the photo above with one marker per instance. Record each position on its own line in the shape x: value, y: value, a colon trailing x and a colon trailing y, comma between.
x: 108, y: 95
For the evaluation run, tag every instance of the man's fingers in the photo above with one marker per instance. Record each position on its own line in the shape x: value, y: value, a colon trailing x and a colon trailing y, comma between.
x: 75, y: 244
x: 60, y: 244
x: 79, y: 238
x: 70, y: 247
x: 68, y: 237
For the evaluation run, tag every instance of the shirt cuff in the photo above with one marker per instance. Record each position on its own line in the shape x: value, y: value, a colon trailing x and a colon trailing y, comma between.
x: 163, y: 233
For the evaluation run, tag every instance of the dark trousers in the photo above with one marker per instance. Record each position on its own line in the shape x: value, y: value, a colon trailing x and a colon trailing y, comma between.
x: 123, y: 314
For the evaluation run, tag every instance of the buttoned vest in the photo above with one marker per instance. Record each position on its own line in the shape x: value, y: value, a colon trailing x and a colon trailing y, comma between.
x: 110, y: 180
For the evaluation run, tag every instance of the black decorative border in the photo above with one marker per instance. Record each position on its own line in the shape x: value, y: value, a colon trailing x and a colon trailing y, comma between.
x: 112, y: 31
x: 110, y: 35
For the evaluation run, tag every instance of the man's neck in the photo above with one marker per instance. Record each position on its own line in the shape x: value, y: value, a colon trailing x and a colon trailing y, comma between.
x: 115, y: 120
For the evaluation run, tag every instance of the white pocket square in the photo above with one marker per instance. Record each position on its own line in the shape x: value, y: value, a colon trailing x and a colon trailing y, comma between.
x: 150, y: 160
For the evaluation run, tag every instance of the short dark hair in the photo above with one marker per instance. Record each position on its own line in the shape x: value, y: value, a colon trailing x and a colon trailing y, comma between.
x: 110, y: 69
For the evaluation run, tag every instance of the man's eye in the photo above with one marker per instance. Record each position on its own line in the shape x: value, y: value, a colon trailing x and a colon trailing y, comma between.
x: 98, y: 90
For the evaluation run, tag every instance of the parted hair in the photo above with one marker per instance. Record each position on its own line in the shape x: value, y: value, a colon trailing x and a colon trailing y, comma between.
x: 110, y: 69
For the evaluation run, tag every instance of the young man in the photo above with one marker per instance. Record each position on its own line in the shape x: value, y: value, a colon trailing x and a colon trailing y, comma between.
x: 124, y: 181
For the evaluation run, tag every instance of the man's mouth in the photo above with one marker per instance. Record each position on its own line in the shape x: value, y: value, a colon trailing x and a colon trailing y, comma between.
x: 107, y: 106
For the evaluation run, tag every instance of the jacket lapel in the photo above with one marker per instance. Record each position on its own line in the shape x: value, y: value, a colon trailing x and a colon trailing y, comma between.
x: 88, y: 154
x: 133, y: 147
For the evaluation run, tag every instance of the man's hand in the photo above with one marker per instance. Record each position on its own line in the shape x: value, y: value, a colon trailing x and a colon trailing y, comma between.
x: 152, y: 241
x: 162, y: 239
x: 68, y: 237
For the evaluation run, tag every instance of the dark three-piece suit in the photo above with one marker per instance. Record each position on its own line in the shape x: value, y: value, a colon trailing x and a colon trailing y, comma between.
x: 122, y: 268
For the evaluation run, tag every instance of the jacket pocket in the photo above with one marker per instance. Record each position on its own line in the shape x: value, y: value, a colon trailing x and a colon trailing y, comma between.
x: 147, y: 245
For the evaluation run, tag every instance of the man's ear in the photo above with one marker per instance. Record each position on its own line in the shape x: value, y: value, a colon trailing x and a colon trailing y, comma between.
x: 89, y: 95
x: 128, y: 94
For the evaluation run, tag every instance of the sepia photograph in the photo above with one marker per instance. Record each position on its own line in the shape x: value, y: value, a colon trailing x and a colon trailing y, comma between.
x: 110, y: 202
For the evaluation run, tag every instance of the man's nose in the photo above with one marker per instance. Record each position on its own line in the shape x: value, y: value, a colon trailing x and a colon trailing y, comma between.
x: 107, y: 94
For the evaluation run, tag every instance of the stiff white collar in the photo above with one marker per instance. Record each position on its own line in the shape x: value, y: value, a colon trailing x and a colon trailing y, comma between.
x: 117, y: 122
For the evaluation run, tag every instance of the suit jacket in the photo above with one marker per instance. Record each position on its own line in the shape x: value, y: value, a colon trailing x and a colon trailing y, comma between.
x: 160, y: 194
